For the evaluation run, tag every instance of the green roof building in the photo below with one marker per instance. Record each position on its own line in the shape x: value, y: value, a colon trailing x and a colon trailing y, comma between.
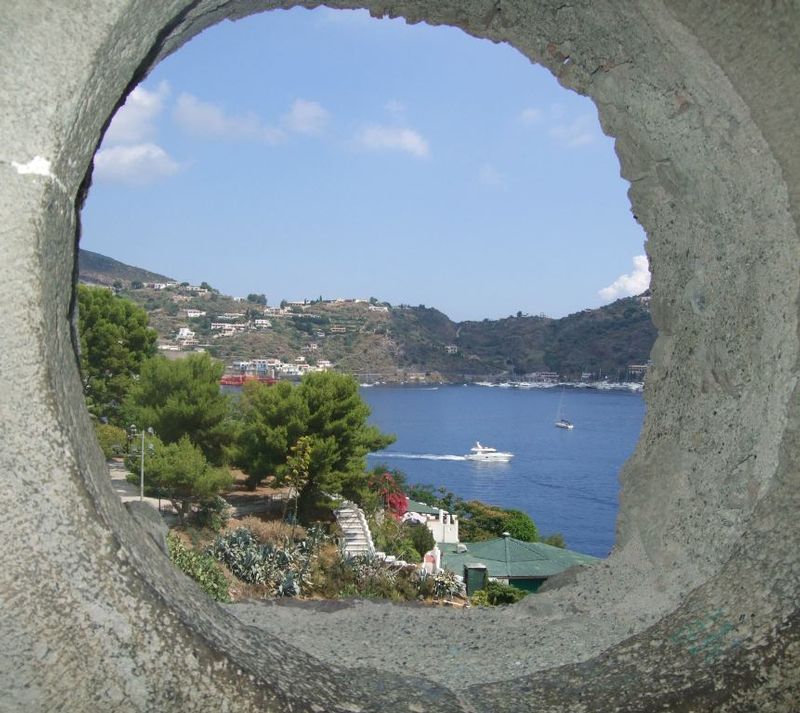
x: 525, y: 565
x: 423, y: 508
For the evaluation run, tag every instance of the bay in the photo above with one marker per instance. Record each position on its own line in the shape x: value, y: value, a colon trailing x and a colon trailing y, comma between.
x: 567, y: 481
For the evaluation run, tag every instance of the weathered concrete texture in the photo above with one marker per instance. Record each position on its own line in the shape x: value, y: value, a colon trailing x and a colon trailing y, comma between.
x: 697, y: 607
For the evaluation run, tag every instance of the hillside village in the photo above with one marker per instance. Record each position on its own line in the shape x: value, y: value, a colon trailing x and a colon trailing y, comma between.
x: 379, y: 342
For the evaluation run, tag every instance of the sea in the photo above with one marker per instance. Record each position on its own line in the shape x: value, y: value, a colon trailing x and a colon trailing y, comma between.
x: 567, y: 481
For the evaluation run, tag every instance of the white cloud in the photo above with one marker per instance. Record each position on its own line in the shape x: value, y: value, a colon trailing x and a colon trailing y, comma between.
x: 393, y: 138
x: 578, y: 132
x: 134, y: 121
x: 490, y: 177
x: 570, y: 133
x: 530, y: 115
x: 306, y: 117
x: 207, y: 120
x: 631, y: 284
x: 135, y: 164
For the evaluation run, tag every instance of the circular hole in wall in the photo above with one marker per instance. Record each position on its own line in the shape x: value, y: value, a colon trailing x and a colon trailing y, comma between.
x: 221, y: 192
x: 655, y: 533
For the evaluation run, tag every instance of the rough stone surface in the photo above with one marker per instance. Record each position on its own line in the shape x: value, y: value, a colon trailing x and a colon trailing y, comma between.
x: 695, y: 610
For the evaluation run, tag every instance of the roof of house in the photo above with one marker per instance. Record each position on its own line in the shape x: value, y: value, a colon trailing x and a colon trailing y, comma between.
x: 423, y: 508
x: 508, y: 557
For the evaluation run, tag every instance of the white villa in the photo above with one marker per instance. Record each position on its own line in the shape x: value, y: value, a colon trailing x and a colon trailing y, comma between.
x: 441, y: 523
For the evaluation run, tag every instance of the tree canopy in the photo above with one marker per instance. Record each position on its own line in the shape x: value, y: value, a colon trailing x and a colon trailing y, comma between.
x: 182, y: 398
x: 327, y: 409
x: 115, y: 342
x: 183, y: 475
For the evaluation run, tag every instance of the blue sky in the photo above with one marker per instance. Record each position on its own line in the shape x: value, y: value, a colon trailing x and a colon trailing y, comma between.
x: 325, y: 153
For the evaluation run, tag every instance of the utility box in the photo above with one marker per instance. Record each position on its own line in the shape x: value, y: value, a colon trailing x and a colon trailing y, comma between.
x: 475, y: 577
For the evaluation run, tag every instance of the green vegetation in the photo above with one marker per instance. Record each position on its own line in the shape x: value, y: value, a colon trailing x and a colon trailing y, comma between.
x: 480, y: 521
x: 484, y: 522
x: 555, y: 540
x: 200, y: 567
x: 182, y: 398
x: 268, y: 559
x: 313, y: 437
x: 285, y: 569
x: 180, y: 472
x: 496, y: 594
x: 404, y: 339
x: 115, y: 342
x: 404, y: 541
x: 327, y: 409
x: 113, y: 440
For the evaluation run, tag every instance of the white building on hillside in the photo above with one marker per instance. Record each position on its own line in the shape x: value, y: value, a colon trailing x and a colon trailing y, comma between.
x: 443, y: 525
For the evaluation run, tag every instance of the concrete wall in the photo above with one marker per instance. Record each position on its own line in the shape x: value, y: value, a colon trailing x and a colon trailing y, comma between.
x: 697, y: 607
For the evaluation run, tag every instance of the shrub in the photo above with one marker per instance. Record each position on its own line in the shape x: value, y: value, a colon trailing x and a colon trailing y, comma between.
x: 499, y: 593
x: 369, y: 577
x: 480, y: 521
x: 394, y: 538
x: 213, y: 513
x: 389, y: 487
x: 112, y: 439
x: 421, y: 537
x: 480, y: 599
x: 200, y: 567
x: 556, y: 540
x: 446, y: 586
x: 520, y: 525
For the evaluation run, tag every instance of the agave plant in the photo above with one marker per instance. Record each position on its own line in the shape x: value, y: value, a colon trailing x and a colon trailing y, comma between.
x: 283, y: 569
x: 446, y: 585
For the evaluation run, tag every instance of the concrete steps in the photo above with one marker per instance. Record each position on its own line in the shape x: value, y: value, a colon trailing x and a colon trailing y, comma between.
x: 356, y: 535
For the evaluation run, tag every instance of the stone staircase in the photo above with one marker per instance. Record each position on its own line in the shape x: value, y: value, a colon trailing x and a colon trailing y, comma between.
x: 357, y: 537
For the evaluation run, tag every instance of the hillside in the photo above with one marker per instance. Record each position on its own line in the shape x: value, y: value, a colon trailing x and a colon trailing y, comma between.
x: 604, y: 340
x: 101, y: 270
x: 377, y: 341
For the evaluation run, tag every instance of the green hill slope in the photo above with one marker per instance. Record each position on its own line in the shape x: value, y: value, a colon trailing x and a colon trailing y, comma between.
x: 394, y: 343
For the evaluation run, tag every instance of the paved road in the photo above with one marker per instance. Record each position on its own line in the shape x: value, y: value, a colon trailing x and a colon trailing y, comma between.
x: 128, y: 491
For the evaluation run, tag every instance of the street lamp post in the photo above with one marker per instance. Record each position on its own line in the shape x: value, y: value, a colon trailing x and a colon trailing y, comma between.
x: 141, y: 473
x: 141, y: 468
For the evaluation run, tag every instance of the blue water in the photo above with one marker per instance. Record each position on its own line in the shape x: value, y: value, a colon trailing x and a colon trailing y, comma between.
x: 567, y: 481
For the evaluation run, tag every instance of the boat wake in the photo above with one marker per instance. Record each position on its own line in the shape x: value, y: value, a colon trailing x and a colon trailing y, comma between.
x: 415, y: 456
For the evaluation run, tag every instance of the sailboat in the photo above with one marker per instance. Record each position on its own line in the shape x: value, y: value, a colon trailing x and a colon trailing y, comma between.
x: 562, y: 422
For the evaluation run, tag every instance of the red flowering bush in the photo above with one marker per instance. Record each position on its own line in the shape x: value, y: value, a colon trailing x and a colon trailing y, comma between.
x: 387, y: 488
x: 397, y: 504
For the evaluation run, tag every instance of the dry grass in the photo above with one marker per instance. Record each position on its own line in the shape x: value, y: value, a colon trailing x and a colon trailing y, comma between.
x: 274, y: 532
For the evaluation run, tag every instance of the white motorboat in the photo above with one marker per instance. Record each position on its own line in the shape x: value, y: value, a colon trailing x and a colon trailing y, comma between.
x: 486, y: 454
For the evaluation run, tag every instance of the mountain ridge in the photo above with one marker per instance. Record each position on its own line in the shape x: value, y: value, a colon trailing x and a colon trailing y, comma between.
x: 103, y: 270
x: 378, y: 341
